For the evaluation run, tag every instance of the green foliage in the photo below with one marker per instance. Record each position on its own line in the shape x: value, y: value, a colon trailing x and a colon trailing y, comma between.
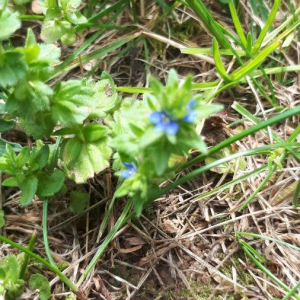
x: 60, y: 19
x: 2, y: 220
x: 149, y: 134
x: 229, y: 167
x: 30, y: 172
x: 79, y: 201
x: 9, y: 23
x: 86, y: 153
x: 10, y: 284
x: 41, y: 284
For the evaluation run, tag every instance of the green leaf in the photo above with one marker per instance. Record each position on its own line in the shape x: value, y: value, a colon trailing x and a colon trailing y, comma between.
x: 12, y: 67
x: 21, y: 2
x: 75, y: 17
x: 228, y: 166
x: 79, y: 202
x: 9, y: 23
x: 30, y: 38
x: 28, y: 187
x: 11, y: 268
x: 2, y: 221
x: 68, y: 38
x: 16, y: 147
x: 218, y: 61
x: 87, y: 153
x: 40, y: 283
x: 72, y: 102
x: 106, y: 99
x: 42, y: 156
x: 11, y: 181
x: 50, y: 184
x: 6, y: 125
x: 53, y: 30
x: 23, y: 157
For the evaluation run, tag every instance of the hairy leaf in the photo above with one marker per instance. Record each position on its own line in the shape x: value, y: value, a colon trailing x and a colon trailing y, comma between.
x: 28, y: 188
x: 12, y: 67
x: 40, y: 283
x: 49, y: 184
x: 9, y: 23
x: 87, y: 153
x: 72, y: 102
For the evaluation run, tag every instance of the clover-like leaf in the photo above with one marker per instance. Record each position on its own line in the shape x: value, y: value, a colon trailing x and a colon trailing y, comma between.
x: 72, y: 102
x: 9, y: 23
x: 87, y: 153
x: 12, y: 67
x: 41, y: 284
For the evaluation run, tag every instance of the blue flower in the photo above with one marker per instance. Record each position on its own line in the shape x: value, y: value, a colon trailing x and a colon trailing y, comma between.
x: 130, y: 170
x: 191, y: 116
x: 164, y: 123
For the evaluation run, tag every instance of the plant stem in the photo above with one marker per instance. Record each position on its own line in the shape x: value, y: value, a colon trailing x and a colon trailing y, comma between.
x: 62, y: 277
x: 26, y: 257
x: 45, y: 232
x: 123, y: 219
x: 282, y: 116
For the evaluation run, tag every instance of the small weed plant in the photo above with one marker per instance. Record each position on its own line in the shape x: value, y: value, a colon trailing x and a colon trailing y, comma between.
x: 145, y: 142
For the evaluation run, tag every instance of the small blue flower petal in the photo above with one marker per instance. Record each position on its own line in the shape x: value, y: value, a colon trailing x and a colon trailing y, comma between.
x: 130, y: 170
x: 190, y: 117
x: 164, y: 123
x: 191, y: 104
x: 156, y: 117
x: 172, y: 128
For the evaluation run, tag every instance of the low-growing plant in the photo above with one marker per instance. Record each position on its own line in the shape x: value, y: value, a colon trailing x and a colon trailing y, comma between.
x: 147, y: 141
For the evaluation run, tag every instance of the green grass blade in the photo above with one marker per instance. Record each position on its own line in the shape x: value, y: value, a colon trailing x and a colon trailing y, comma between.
x: 255, y: 235
x: 218, y: 61
x: 251, y: 130
x: 267, y: 26
x: 86, y: 44
x: 26, y: 257
x: 237, y: 24
x: 296, y: 195
x: 267, y: 272
x: 254, y: 63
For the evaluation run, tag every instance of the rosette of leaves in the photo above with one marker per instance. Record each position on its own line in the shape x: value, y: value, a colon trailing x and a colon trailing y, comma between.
x: 30, y: 171
x: 60, y: 18
x: 162, y: 127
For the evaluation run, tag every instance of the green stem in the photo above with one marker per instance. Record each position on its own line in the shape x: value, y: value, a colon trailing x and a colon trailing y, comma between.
x: 26, y: 257
x: 62, y: 277
x: 292, y: 291
x: 255, y: 235
x: 276, y: 119
x: 45, y: 232
x: 31, y: 17
x: 205, y: 168
x: 268, y: 273
x: 123, y: 219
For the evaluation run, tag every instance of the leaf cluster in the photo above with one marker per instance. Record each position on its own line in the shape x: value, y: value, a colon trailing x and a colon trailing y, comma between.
x: 60, y: 18
x: 11, y: 283
x: 137, y: 140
